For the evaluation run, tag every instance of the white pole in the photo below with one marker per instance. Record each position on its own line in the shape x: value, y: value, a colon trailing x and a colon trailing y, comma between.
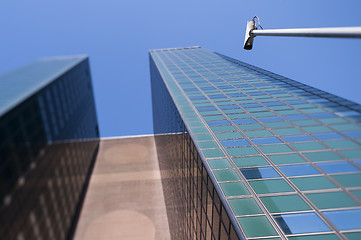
x: 336, y: 32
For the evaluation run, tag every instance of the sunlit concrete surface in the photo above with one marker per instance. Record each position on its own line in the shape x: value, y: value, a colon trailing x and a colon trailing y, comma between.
x: 125, y: 197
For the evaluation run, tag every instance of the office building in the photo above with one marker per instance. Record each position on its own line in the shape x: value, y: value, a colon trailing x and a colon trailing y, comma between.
x: 248, y: 154
x: 48, y: 142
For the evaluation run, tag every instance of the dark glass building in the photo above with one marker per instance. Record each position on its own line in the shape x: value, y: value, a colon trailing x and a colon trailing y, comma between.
x: 48, y: 141
x: 248, y: 154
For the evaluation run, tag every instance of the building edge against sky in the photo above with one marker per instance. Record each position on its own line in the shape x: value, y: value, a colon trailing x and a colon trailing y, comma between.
x: 246, y: 153
x: 48, y: 144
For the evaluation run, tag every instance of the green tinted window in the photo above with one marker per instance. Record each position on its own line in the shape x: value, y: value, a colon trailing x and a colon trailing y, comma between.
x: 263, y: 114
x: 287, y: 131
x: 270, y: 186
x: 242, y: 151
x: 322, y: 156
x: 287, y: 112
x: 332, y: 120
x: 331, y: 200
x: 244, y: 206
x: 353, y: 235
x: 251, y: 226
x: 341, y: 144
x: 313, y: 183
x: 203, y: 137
x: 216, y: 117
x: 356, y: 193
x: 229, y: 135
x: 289, y: 203
x: 226, y: 175
x: 219, y: 163
x: 278, y: 124
x: 351, y: 154
x: 345, y: 127
x: 258, y: 133
x: 212, y: 153
x: 223, y: 129
x: 307, y: 122
x: 207, y: 144
x: 316, y: 237
x: 286, y: 158
x: 308, y: 146
x: 199, y: 130
x: 316, y: 129
x: 348, y: 180
x: 250, y: 161
x: 277, y: 148
x: 252, y: 126
x: 234, y: 189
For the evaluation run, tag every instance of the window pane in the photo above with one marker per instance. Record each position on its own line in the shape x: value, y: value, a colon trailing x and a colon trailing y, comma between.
x: 270, y: 186
x: 298, y: 170
x: 259, y: 172
x: 244, y: 206
x: 235, y: 143
x: 331, y: 200
x: 345, y: 219
x: 250, y: 161
x: 313, y: 183
x: 266, y: 140
x: 289, y: 203
x: 226, y: 175
x: 286, y: 158
x: 348, y: 180
x: 219, y: 163
x: 251, y: 226
x: 337, y: 167
x: 301, y: 223
x: 234, y: 189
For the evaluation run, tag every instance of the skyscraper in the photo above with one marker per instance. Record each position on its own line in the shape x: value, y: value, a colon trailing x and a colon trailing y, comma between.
x: 249, y: 154
x: 48, y: 142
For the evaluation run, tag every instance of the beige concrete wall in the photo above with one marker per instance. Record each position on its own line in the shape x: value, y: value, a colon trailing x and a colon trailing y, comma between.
x: 125, y: 197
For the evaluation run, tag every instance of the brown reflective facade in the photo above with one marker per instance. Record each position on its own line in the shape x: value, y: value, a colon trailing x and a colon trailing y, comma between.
x: 48, y: 143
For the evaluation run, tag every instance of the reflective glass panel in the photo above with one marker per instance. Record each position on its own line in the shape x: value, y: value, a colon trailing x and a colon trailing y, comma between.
x: 244, y: 206
x: 216, y: 123
x: 266, y: 140
x: 250, y: 161
x: 297, y: 138
x: 327, y: 136
x: 219, y: 163
x: 244, y: 121
x: 331, y: 200
x: 251, y: 226
x: 235, y: 143
x: 288, y: 203
x: 270, y: 186
x: 226, y: 175
x: 301, y: 223
x: 313, y: 183
x: 234, y: 188
x: 298, y: 170
x: 259, y: 172
x: 345, y: 219
x: 348, y: 180
x: 337, y: 167
x: 286, y: 158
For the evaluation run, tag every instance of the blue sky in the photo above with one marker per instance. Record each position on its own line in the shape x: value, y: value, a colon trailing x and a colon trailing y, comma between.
x: 117, y: 35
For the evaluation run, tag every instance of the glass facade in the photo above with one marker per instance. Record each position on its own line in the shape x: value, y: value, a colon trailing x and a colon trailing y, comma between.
x: 48, y: 143
x: 249, y: 154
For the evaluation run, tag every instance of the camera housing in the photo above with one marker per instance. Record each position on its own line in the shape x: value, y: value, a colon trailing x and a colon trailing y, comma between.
x: 248, y: 40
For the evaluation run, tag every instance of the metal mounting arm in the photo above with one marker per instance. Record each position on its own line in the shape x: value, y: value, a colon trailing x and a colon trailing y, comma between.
x: 335, y: 32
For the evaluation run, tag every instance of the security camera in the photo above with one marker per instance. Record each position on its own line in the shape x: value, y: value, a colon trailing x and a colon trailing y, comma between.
x: 248, y: 40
